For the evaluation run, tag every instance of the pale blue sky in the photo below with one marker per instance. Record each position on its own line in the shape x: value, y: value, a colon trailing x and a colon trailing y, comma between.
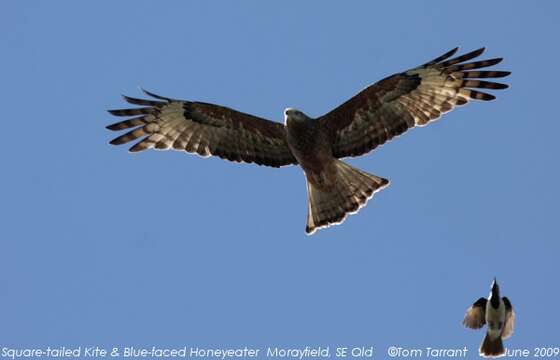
x: 100, y: 246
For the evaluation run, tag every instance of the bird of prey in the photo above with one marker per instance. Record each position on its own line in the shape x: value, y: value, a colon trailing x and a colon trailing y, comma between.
x: 375, y: 115
x: 498, y: 314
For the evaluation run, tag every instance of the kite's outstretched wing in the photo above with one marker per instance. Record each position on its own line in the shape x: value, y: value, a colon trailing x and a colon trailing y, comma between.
x: 405, y: 100
x: 204, y: 129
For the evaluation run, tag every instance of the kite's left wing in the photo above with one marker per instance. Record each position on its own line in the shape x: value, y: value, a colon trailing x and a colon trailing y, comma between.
x: 405, y: 100
x: 203, y: 129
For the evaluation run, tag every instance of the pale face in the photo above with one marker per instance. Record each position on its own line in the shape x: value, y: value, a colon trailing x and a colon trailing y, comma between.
x: 293, y: 115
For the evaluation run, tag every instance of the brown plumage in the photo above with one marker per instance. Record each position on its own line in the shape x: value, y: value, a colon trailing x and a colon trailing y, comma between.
x: 372, y: 117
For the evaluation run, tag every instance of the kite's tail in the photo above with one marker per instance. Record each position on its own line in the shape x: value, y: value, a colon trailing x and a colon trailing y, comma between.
x: 352, y: 190
x: 492, y: 347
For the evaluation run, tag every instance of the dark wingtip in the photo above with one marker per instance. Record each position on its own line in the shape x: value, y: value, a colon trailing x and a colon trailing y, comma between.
x: 154, y: 95
x: 128, y: 99
x: 453, y: 51
x: 135, y: 149
x: 476, y: 53
x: 492, y: 62
x: 442, y: 57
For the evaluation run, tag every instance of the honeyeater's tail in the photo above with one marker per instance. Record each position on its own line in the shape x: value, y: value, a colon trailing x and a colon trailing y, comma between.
x: 353, y: 188
x: 492, y: 347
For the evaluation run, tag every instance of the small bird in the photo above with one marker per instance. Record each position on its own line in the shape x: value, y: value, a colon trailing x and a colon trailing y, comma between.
x: 498, y: 314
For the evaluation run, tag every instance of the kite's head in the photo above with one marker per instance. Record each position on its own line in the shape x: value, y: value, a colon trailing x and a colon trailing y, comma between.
x: 294, y: 116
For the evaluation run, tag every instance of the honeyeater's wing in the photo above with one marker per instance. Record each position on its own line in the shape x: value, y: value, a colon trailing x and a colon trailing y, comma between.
x: 475, y: 315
